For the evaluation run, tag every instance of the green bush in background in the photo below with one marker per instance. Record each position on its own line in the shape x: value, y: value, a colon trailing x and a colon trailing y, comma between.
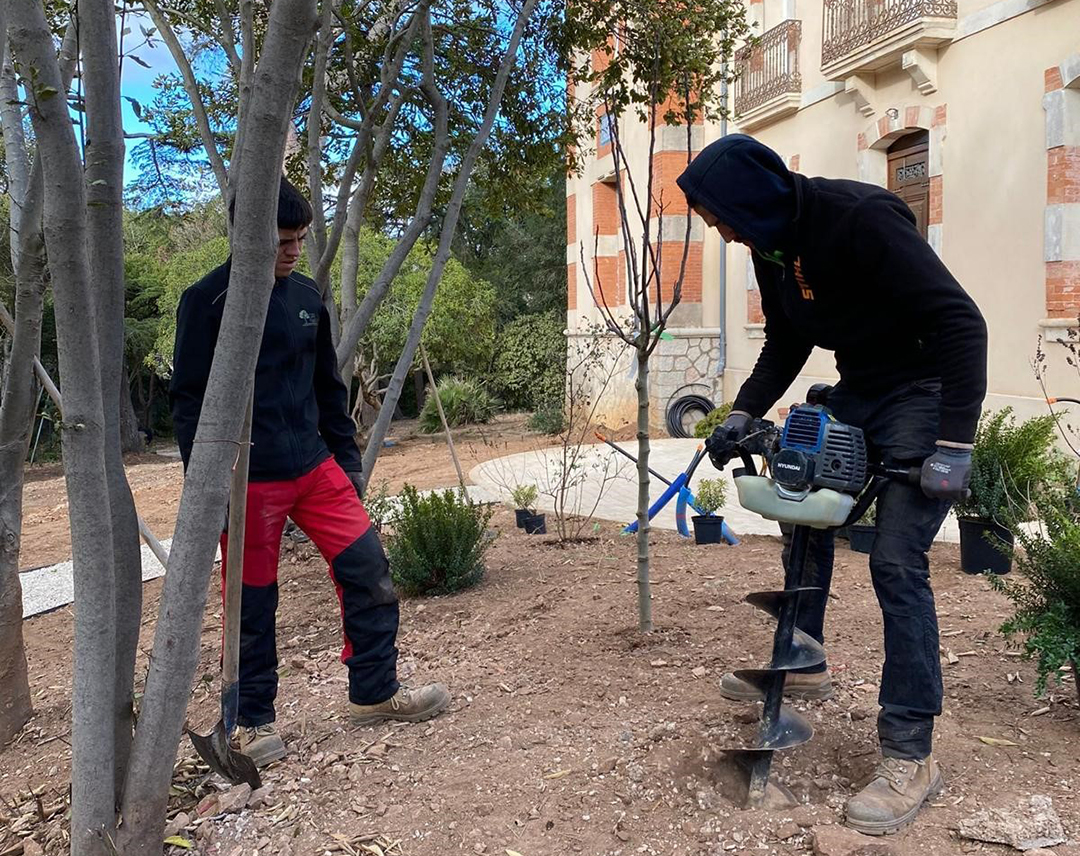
x: 529, y: 370
x: 438, y: 544
x: 465, y: 402
x: 714, y: 420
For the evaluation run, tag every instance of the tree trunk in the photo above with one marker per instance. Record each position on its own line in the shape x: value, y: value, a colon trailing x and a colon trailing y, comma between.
x: 442, y: 255
x: 645, y: 624
x: 419, y: 388
x: 148, y: 414
x: 83, y: 439
x: 202, y: 505
x: 104, y: 163
x: 18, y: 163
x: 131, y: 438
x: 16, y: 421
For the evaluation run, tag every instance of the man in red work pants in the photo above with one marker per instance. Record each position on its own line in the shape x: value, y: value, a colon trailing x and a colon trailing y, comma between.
x: 305, y: 465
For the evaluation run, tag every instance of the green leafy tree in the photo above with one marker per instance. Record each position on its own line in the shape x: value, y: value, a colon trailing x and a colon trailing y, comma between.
x: 182, y: 270
x: 530, y: 362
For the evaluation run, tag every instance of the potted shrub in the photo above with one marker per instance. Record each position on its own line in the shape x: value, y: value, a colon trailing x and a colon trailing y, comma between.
x: 862, y: 533
x: 1047, y: 599
x: 1010, y: 463
x: 709, y: 496
x: 524, y: 496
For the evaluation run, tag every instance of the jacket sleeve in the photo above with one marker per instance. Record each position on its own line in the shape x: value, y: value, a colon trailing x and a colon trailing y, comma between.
x: 335, y: 425
x: 895, y: 259
x: 193, y: 354
x: 782, y: 357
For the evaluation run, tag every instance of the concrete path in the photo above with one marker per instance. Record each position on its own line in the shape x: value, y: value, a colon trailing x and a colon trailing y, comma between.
x: 604, y: 480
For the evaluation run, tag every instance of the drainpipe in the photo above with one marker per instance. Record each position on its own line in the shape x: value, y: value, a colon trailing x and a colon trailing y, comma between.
x: 723, y: 247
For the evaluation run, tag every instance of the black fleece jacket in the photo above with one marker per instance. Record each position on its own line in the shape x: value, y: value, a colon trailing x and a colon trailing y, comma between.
x: 301, y: 413
x: 842, y: 266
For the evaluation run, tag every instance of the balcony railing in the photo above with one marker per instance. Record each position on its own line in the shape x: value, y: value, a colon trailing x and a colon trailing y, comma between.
x: 769, y: 73
x: 850, y: 25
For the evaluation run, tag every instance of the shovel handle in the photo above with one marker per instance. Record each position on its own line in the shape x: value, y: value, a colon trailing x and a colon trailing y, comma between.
x: 234, y: 569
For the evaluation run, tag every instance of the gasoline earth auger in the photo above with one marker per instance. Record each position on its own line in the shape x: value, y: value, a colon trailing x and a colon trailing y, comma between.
x: 820, y: 479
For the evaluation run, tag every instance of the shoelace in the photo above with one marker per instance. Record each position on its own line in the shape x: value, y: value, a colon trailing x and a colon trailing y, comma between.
x: 892, y: 770
x: 400, y: 697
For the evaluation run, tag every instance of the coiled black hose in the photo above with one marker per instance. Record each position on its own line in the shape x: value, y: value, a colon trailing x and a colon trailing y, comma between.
x: 682, y: 407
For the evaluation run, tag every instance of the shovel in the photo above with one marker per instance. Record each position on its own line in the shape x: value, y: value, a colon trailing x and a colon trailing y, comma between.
x: 216, y: 747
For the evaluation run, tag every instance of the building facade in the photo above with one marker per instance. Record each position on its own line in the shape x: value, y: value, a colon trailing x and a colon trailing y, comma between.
x: 967, y: 109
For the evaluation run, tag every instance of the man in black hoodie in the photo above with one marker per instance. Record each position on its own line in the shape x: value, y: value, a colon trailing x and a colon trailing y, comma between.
x: 305, y: 465
x: 842, y: 266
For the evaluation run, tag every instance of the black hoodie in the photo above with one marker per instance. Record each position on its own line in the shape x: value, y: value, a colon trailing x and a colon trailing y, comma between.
x: 842, y: 266
x: 301, y: 405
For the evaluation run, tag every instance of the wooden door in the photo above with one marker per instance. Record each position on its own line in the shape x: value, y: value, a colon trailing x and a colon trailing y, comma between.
x: 909, y: 174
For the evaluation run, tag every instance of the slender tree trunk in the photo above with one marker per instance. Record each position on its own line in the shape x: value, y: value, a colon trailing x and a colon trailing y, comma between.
x: 18, y: 164
x: 83, y: 440
x: 644, y: 526
x: 442, y: 255
x: 206, y: 486
x: 131, y: 438
x: 104, y: 219
x: 16, y: 422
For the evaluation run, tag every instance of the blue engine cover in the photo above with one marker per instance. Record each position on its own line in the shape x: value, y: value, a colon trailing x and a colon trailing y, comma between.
x: 817, y: 451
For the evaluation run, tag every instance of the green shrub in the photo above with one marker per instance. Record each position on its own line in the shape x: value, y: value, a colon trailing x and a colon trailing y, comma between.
x: 529, y: 370
x: 710, y: 495
x: 1047, y: 601
x: 548, y: 419
x: 1010, y: 464
x: 525, y: 496
x: 438, y: 544
x: 712, y: 421
x: 464, y: 401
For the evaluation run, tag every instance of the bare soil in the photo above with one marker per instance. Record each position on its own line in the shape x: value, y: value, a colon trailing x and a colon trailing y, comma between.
x: 156, y: 480
x: 570, y: 731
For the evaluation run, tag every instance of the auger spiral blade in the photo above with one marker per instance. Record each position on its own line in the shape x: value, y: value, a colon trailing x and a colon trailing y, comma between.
x: 780, y: 726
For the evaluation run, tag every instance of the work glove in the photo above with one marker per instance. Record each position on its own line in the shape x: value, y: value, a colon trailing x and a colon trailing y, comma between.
x: 357, y: 479
x: 946, y: 474
x: 724, y: 441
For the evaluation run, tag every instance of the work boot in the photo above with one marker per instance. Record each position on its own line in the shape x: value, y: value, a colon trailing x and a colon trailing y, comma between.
x: 406, y: 705
x: 261, y: 743
x: 894, y: 796
x: 816, y: 686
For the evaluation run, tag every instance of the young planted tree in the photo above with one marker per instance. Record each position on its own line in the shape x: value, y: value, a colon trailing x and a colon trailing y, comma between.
x: 662, y: 63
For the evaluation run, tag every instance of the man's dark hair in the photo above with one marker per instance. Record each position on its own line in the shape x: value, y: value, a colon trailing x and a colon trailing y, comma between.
x: 293, y: 210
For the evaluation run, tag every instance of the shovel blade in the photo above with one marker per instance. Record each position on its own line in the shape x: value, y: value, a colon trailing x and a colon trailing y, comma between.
x: 217, y: 751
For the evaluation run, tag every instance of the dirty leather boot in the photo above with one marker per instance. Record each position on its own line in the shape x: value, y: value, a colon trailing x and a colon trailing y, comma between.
x: 406, y: 705
x: 894, y: 796
x: 261, y: 743
x: 815, y: 686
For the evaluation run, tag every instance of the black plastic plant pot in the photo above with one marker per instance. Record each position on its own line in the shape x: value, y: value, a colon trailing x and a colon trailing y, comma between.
x: 708, y: 529
x: 861, y: 537
x: 535, y: 524
x: 981, y: 543
x: 520, y: 516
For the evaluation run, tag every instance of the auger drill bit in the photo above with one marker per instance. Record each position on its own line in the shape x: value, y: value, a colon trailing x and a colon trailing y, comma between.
x: 780, y: 726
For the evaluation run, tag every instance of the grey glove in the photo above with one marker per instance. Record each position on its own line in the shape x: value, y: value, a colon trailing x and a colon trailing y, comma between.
x: 946, y: 474
x: 721, y: 446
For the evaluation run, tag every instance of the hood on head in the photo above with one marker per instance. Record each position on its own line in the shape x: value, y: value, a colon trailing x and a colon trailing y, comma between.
x: 746, y: 186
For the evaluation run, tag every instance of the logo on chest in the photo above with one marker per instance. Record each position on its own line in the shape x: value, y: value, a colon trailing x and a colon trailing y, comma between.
x: 309, y: 319
x: 804, y: 287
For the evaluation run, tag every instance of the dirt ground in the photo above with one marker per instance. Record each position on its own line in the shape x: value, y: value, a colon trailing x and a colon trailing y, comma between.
x: 156, y: 480
x: 570, y: 731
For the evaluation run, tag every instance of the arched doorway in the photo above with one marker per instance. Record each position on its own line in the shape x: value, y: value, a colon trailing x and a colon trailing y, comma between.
x: 909, y: 174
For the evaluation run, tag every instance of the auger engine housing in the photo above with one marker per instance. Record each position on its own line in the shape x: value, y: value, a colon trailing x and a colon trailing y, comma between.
x: 815, y: 451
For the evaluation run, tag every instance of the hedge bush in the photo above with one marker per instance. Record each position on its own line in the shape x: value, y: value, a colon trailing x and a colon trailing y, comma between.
x: 529, y: 370
x: 438, y: 544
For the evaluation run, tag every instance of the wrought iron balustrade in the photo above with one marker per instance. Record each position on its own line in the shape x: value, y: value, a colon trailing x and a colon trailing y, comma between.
x: 851, y: 24
x: 769, y: 68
